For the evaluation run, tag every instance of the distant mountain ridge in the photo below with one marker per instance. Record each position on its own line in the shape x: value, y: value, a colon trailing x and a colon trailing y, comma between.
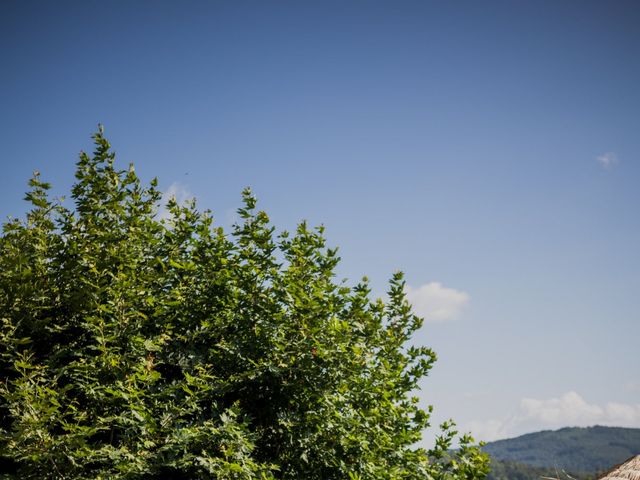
x: 581, y: 451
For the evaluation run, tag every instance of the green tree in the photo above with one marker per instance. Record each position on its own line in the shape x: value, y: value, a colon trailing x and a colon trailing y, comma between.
x: 139, y: 348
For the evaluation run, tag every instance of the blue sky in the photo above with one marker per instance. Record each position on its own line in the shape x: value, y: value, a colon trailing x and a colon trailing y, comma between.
x: 488, y: 149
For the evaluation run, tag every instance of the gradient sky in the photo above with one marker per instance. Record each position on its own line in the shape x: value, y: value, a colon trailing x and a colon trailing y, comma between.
x: 488, y: 149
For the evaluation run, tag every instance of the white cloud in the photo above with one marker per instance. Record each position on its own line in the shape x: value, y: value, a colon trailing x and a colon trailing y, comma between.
x: 632, y: 386
x: 490, y: 430
x: 179, y: 192
x: 569, y: 409
x: 607, y: 160
x: 436, y: 303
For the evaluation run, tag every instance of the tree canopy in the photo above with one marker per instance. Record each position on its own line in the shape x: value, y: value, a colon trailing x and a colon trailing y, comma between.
x: 134, y: 346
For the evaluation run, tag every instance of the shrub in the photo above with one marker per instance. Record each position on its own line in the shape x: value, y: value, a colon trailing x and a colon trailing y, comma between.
x: 135, y: 347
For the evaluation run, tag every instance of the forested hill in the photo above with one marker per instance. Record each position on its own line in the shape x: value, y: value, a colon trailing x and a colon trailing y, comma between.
x: 577, y: 450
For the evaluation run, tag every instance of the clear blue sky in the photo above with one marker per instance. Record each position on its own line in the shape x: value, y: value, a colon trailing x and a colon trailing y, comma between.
x: 488, y: 149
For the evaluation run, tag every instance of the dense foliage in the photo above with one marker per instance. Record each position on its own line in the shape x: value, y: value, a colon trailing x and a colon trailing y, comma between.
x: 581, y: 451
x: 141, y: 348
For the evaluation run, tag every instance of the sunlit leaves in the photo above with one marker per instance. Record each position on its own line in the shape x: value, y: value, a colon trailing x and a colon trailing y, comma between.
x: 141, y: 347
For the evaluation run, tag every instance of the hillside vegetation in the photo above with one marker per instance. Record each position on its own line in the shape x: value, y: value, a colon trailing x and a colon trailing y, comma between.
x: 580, y: 451
x: 505, y: 470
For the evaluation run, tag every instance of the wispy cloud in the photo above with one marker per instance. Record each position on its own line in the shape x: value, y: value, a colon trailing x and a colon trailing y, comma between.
x: 436, y: 303
x: 607, y: 160
x: 569, y: 409
x: 632, y: 386
x: 176, y: 190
